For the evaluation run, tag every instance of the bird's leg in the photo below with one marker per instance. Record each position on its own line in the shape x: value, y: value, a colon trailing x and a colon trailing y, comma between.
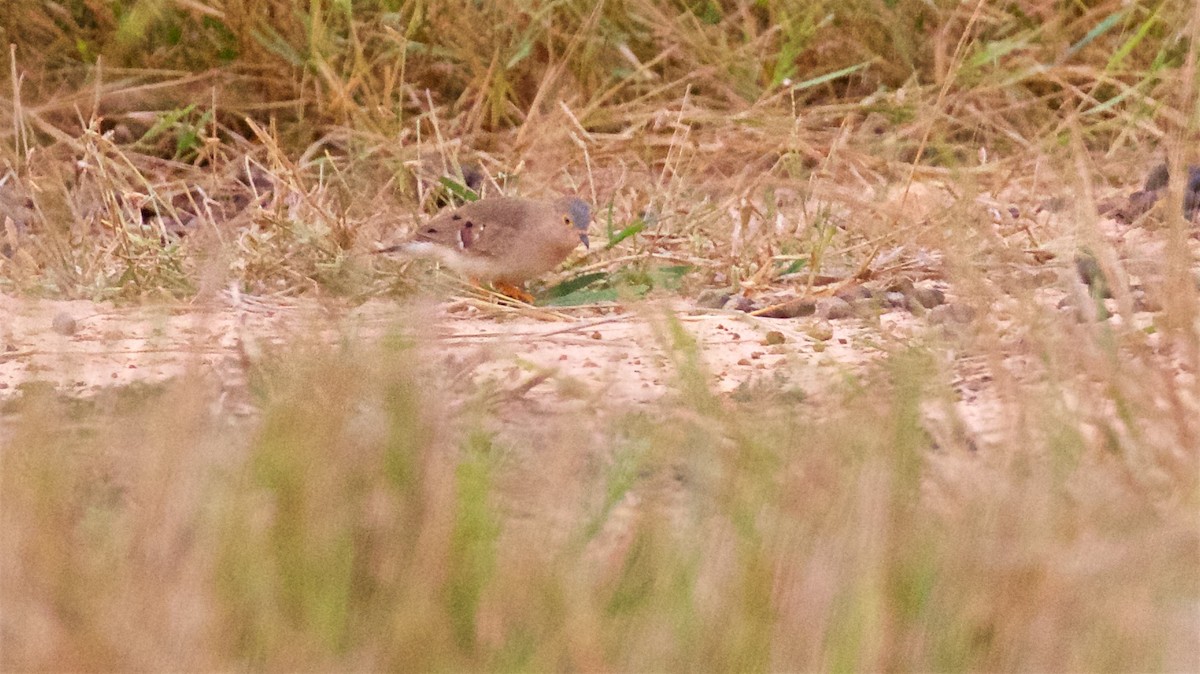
x: 507, y: 289
x: 513, y: 291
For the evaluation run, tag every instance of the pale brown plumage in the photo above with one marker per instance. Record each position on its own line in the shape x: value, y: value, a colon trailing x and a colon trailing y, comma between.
x: 503, y: 240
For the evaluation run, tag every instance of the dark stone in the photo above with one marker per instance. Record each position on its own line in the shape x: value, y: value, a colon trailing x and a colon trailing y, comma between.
x: 928, y: 297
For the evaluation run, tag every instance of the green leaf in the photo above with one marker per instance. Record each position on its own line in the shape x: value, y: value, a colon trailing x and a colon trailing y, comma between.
x: 669, y: 276
x: 523, y: 50
x: 272, y: 41
x: 1133, y: 41
x: 1100, y: 29
x: 167, y: 120
x: 828, y: 77
x: 459, y: 190
x: 794, y: 267
x: 583, y: 297
x: 574, y: 284
x: 994, y: 50
x: 613, y: 239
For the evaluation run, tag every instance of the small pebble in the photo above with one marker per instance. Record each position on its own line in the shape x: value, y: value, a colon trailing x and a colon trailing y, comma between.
x: 774, y: 337
x: 713, y: 299
x: 855, y: 293
x: 928, y: 297
x: 739, y: 303
x: 895, y: 299
x: 833, y: 308
x: 820, y: 331
x: 63, y: 324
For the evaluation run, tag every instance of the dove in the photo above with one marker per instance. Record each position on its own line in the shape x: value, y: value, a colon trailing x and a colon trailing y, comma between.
x: 504, y: 241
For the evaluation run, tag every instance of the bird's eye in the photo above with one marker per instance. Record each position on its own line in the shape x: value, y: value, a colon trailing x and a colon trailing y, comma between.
x: 567, y: 220
x: 431, y: 230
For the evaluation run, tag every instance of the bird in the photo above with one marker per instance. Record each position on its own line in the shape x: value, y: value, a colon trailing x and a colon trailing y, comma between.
x: 1160, y: 176
x: 1156, y: 184
x: 504, y: 241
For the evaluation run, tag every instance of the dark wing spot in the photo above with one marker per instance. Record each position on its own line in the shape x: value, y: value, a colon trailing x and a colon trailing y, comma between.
x: 455, y: 216
x: 431, y: 230
x: 468, y: 234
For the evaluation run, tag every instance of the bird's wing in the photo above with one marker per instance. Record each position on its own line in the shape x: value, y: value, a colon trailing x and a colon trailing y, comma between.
x: 490, y: 227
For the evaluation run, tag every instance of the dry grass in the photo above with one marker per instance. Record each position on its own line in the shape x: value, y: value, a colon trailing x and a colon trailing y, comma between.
x: 359, y: 521
x: 362, y: 519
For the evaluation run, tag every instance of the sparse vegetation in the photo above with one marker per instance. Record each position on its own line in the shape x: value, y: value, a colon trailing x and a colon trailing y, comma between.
x: 350, y: 502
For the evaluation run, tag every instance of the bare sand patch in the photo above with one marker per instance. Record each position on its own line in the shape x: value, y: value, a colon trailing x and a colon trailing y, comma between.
x: 617, y: 353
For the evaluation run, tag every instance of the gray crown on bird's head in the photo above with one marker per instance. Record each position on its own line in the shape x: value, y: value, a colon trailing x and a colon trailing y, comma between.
x: 580, y: 215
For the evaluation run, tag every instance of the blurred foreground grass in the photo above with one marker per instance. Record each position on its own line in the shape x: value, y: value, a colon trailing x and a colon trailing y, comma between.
x: 364, y: 519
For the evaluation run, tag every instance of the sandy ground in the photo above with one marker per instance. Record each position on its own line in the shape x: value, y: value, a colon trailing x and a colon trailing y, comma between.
x: 616, y: 353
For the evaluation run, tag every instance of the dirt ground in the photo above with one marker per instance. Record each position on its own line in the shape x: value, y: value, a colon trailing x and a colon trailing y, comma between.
x: 547, y: 361
x: 83, y: 347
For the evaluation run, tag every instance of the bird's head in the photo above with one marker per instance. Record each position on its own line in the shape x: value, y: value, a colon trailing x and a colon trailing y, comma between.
x: 577, y: 215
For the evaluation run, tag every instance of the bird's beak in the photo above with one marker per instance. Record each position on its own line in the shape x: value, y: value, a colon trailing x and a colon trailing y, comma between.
x: 584, y: 239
